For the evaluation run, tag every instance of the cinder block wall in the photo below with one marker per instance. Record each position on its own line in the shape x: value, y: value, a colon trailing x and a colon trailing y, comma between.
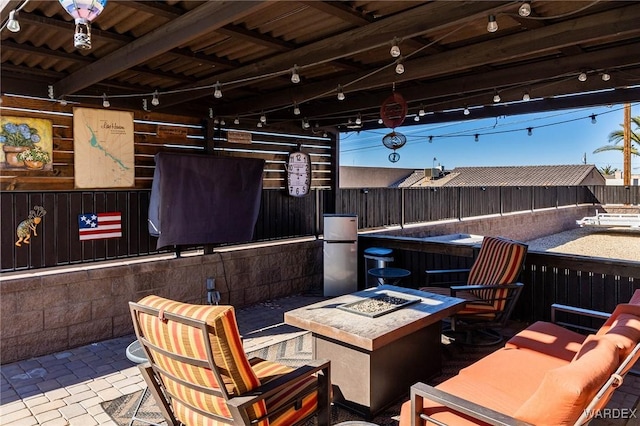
x: 44, y: 312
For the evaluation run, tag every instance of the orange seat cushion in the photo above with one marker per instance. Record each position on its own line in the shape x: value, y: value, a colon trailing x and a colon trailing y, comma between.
x: 548, y: 338
x: 565, y: 391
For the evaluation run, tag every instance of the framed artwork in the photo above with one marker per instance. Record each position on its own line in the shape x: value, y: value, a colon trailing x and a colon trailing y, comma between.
x: 103, y: 148
x: 27, y: 143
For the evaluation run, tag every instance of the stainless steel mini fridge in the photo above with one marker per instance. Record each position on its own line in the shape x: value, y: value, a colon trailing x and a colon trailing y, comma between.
x: 340, y: 254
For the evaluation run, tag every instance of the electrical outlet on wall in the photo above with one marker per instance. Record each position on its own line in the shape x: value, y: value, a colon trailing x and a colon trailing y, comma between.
x: 213, y: 295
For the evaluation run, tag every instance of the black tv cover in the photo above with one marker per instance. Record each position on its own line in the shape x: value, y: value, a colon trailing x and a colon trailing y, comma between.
x: 203, y: 199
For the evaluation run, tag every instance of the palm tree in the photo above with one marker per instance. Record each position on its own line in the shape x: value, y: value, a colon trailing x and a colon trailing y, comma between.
x: 617, y: 136
x: 608, y: 170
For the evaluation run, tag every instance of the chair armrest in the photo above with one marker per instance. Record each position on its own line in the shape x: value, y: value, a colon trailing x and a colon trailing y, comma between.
x: 284, y: 381
x: 557, y: 307
x: 482, y: 287
x: 446, y: 271
x: 419, y: 391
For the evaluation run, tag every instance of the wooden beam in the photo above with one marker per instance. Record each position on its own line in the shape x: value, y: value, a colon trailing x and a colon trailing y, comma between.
x: 340, y: 10
x: 193, y: 24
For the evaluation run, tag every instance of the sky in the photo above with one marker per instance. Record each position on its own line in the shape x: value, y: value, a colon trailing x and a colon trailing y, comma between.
x: 557, y: 138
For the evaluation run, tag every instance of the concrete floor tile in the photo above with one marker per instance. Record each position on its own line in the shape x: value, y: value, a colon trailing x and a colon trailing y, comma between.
x: 49, y: 406
x: 71, y: 411
x: 56, y: 394
x: 48, y: 416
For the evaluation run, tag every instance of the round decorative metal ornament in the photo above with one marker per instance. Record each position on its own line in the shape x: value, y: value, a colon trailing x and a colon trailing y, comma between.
x: 394, y: 157
x: 393, y: 110
x: 394, y: 140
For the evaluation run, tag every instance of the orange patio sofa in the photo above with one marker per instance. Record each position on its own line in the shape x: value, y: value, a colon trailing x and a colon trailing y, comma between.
x: 544, y: 375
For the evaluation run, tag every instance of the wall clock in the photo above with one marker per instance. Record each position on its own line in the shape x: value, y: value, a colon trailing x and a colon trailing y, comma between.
x: 298, y: 174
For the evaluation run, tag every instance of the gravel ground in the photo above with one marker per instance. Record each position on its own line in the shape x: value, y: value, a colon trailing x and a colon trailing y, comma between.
x: 612, y: 243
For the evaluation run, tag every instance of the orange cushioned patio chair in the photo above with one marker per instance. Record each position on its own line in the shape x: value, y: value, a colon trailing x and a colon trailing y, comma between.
x: 199, y: 374
x: 491, y: 290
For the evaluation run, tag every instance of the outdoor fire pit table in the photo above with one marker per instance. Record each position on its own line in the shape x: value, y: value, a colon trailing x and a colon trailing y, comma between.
x: 380, y: 341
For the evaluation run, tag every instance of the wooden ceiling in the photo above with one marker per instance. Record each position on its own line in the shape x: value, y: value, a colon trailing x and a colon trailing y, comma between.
x: 183, y: 48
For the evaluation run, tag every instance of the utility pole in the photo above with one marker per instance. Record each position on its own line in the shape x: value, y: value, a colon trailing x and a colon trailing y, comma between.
x: 626, y: 173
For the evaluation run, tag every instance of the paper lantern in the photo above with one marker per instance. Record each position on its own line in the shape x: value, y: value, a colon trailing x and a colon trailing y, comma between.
x: 83, y: 11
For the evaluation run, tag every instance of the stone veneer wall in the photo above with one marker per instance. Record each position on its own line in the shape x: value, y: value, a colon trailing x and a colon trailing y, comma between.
x: 43, y: 312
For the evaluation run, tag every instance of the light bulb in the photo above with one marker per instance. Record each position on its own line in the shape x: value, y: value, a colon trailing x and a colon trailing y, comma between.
x: 476, y: 138
x: 105, y: 101
x: 259, y: 124
x: 380, y: 121
x: 63, y: 102
x: 263, y: 118
x: 606, y: 76
x: 582, y: 76
x: 236, y: 120
x: 395, y: 50
x: 593, y: 119
x: 416, y: 118
x: 305, y: 124
x: 421, y: 112
x: 340, y: 93
x: 492, y: 25
x: 529, y: 131
x: 217, y: 92
x: 222, y: 122
x: 496, y: 97
x: 155, y: 101
x: 525, y: 9
x: 295, y: 77
x: 216, y: 121
x: 12, y: 23
x: 359, y: 119
x: 296, y: 109
x: 466, y: 111
x: 526, y: 96
x: 399, y: 68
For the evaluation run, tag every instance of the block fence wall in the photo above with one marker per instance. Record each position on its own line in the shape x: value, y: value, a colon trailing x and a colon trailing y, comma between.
x: 51, y: 311
x: 48, y: 311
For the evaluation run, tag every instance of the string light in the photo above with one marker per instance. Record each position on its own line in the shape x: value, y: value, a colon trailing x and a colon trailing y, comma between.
x: 395, y: 49
x: 236, y: 120
x: 430, y: 139
x: 593, y: 119
x: 526, y: 97
x: 492, y: 25
x: 259, y: 124
x: 529, y: 131
x: 582, y: 76
x: 263, y: 118
x: 476, y: 137
x: 606, y: 76
x: 295, y: 77
x: 359, y: 119
x: 340, y: 93
x: 400, y: 66
x: 105, y: 101
x: 63, y: 101
x: 217, y: 91
x: 496, y: 97
x: 12, y: 23
x: 296, y: 109
x: 421, y: 111
x: 222, y: 122
x: 155, y: 101
x: 305, y: 123
x: 466, y: 111
x: 380, y: 121
x: 525, y: 9
x: 416, y: 118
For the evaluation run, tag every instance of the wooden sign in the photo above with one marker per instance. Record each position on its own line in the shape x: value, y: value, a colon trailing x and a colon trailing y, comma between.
x: 171, y: 131
x: 238, y: 137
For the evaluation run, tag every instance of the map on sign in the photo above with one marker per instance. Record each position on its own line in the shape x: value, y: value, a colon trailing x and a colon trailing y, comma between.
x: 103, y: 148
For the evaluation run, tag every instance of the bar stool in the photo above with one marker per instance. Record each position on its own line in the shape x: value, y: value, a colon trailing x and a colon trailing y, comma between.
x: 381, y: 256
